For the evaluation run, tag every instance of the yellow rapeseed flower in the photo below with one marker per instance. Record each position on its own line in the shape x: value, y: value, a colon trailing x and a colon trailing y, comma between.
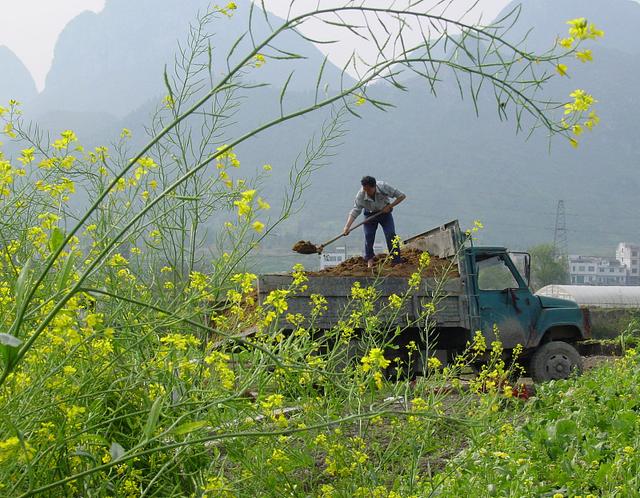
x: 566, y: 42
x: 584, y: 56
x: 248, y: 195
x: 27, y: 156
x: 118, y: 260
x: 67, y: 137
x: 12, y: 449
x: 180, y: 342
x: 395, y: 301
x: 169, y: 102
x: 8, y: 130
x: 375, y: 359
x: 434, y: 363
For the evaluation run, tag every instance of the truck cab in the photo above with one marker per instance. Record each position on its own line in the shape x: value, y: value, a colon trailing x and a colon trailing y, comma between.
x: 499, y: 288
x: 502, y: 306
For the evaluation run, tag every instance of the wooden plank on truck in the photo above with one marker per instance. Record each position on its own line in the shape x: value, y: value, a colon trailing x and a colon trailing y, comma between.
x: 337, y: 292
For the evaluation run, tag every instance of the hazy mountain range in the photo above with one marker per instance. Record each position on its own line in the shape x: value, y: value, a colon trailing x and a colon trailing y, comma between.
x: 20, y: 84
x: 107, y: 74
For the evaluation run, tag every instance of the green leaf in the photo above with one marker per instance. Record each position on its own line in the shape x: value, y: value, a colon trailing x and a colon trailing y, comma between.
x: 63, y: 276
x: 10, y: 340
x: 566, y: 428
x: 21, y: 284
x: 603, y: 475
x: 189, y: 427
x: 56, y: 239
x: 152, y: 420
x: 624, y: 422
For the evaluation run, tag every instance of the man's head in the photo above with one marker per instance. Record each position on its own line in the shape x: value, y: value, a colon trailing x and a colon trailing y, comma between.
x: 369, y: 185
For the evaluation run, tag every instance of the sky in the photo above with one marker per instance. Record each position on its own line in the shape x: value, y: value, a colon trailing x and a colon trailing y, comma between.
x: 30, y: 28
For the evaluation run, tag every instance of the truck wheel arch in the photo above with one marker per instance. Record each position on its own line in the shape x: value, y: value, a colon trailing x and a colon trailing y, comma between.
x: 566, y: 333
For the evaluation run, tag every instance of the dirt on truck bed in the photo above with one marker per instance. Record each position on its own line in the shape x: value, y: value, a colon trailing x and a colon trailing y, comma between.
x: 357, y: 267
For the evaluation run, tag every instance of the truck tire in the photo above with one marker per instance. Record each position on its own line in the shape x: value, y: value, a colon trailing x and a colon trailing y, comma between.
x: 554, y: 360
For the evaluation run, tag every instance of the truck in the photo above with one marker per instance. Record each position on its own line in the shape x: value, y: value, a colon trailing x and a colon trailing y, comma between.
x: 488, y: 292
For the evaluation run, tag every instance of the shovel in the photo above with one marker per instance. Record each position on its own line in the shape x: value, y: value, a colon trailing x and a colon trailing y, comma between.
x: 306, y: 247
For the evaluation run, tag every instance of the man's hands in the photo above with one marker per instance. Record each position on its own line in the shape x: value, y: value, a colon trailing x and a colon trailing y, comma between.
x: 347, y: 227
x: 387, y: 209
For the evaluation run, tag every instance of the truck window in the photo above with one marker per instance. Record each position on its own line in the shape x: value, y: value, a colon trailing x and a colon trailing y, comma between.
x: 494, y: 274
x: 520, y: 260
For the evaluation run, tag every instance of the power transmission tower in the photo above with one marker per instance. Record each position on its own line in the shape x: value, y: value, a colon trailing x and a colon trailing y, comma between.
x: 560, y: 240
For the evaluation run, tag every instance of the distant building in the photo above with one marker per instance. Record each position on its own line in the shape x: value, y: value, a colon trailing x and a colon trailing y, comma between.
x: 329, y: 259
x: 629, y: 255
x: 342, y: 253
x: 592, y: 270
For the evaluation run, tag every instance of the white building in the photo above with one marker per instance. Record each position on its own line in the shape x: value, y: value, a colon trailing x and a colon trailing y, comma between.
x: 592, y: 270
x: 342, y: 253
x: 328, y: 259
x: 629, y: 255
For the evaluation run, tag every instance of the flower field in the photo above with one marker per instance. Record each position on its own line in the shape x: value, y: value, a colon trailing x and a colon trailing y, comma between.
x: 135, y: 360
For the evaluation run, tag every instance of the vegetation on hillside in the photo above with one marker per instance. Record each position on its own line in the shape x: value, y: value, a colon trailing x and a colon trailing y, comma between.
x: 546, y: 267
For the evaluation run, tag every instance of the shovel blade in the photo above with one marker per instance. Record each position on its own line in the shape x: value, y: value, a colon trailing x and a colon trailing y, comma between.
x: 306, y: 247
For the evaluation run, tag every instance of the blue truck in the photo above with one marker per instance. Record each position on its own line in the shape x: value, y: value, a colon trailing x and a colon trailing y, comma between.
x: 487, y: 291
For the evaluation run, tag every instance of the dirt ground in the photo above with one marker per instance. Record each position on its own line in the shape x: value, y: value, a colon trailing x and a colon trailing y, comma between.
x: 590, y: 362
x: 357, y: 267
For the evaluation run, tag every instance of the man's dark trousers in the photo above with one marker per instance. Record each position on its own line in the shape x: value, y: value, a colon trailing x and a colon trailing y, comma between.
x: 385, y: 220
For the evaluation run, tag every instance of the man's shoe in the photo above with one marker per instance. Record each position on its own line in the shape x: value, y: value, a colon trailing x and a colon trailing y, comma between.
x: 398, y: 261
x: 370, y: 263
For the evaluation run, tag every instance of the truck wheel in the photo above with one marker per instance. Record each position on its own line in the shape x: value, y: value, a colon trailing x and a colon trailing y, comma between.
x: 554, y: 360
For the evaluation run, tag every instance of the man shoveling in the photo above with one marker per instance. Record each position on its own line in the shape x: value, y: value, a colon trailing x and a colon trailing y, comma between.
x: 375, y: 198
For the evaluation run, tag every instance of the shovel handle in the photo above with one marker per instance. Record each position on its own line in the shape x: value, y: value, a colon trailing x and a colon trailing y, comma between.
x: 351, y: 229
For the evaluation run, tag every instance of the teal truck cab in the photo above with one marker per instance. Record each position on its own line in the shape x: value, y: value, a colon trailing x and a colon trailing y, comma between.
x: 490, y: 293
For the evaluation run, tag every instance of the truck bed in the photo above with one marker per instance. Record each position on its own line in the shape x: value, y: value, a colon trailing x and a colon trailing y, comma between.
x: 452, y: 310
x: 337, y: 291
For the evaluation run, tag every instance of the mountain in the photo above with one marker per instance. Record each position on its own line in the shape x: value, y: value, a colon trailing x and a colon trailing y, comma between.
x: 107, y: 75
x: 452, y: 164
x: 17, y: 82
x: 113, y: 61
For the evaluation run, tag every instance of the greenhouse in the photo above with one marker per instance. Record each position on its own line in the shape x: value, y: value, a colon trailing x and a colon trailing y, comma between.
x: 595, y: 296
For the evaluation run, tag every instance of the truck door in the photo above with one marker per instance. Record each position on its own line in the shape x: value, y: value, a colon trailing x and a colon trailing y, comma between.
x: 504, y: 300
